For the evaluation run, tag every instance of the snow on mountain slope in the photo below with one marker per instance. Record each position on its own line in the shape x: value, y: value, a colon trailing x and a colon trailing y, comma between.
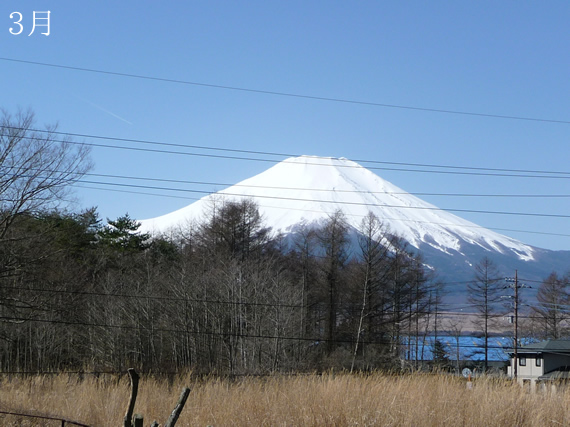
x: 307, y: 189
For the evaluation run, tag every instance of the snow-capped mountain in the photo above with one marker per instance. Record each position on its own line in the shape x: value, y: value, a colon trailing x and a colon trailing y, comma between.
x: 307, y: 189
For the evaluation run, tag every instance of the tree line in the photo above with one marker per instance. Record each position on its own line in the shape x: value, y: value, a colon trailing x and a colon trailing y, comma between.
x: 225, y: 294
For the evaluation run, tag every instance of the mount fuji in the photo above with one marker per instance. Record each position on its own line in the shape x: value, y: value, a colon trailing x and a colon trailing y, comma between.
x: 306, y: 189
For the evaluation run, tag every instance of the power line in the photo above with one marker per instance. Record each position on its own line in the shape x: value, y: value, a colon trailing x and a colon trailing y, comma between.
x: 554, y: 175
x: 153, y: 297
x: 309, y: 210
x: 348, y: 214
x: 186, y: 299
x: 348, y: 203
x: 325, y: 190
x: 314, y: 340
x: 287, y: 94
x: 312, y: 189
x: 387, y: 310
x: 491, y: 212
x: 345, y: 203
x: 455, y: 170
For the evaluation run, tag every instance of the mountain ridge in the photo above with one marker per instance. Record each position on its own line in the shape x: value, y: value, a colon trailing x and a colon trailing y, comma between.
x: 307, y: 188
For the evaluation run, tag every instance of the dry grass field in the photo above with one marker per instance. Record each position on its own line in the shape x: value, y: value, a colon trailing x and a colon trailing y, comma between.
x: 314, y: 400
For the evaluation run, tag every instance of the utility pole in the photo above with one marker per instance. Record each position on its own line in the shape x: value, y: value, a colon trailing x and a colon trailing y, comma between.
x: 516, y: 287
x: 516, y: 322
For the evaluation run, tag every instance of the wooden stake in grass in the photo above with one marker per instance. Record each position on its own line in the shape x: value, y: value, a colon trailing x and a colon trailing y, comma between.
x: 138, y: 420
x: 178, y: 408
x: 128, y: 421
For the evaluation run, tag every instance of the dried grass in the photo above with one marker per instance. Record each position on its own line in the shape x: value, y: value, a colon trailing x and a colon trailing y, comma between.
x: 313, y: 400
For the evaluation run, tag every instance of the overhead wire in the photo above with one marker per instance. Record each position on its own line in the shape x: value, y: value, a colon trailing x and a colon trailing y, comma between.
x: 289, y: 208
x: 455, y: 170
x: 342, y: 203
x: 474, y: 226
x: 304, y: 189
x: 324, y: 190
x: 311, y: 200
x: 445, y: 305
x: 284, y: 94
x: 162, y: 188
x: 314, y: 340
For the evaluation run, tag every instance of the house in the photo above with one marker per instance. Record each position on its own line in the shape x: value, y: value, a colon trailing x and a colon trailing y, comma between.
x: 545, y: 362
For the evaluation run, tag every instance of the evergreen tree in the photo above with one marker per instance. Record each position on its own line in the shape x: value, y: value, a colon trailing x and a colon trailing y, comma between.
x: 122, y: 234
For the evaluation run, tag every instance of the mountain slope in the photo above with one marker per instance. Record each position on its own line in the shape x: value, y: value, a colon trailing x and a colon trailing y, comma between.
x: 306, y: 189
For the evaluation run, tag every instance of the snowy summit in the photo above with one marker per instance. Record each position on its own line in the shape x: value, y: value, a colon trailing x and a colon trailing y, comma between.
x: 307, y: 189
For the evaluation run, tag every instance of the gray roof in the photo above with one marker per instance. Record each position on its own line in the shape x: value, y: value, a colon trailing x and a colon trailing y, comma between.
x: 548, y: 346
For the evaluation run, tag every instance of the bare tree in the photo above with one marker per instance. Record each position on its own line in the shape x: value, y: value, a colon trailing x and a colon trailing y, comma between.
x: 374, y: 240
x: 37, y: 167
x: 333, y: 237
x: 552, y: 308
x: 303, y: 265
x: 484, y: 294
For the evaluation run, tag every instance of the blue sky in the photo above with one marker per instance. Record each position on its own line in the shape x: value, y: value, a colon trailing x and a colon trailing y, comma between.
x: 496, y: 58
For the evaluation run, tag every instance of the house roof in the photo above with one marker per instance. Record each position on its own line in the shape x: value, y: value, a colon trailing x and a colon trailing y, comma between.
x: 548, y: 346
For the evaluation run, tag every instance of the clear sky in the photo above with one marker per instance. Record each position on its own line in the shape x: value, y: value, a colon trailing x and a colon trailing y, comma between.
x: 506, y: 58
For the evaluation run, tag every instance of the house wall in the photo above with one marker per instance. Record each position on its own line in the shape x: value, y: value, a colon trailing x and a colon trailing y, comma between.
x: 555, y: 361
x: 530, y: 371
